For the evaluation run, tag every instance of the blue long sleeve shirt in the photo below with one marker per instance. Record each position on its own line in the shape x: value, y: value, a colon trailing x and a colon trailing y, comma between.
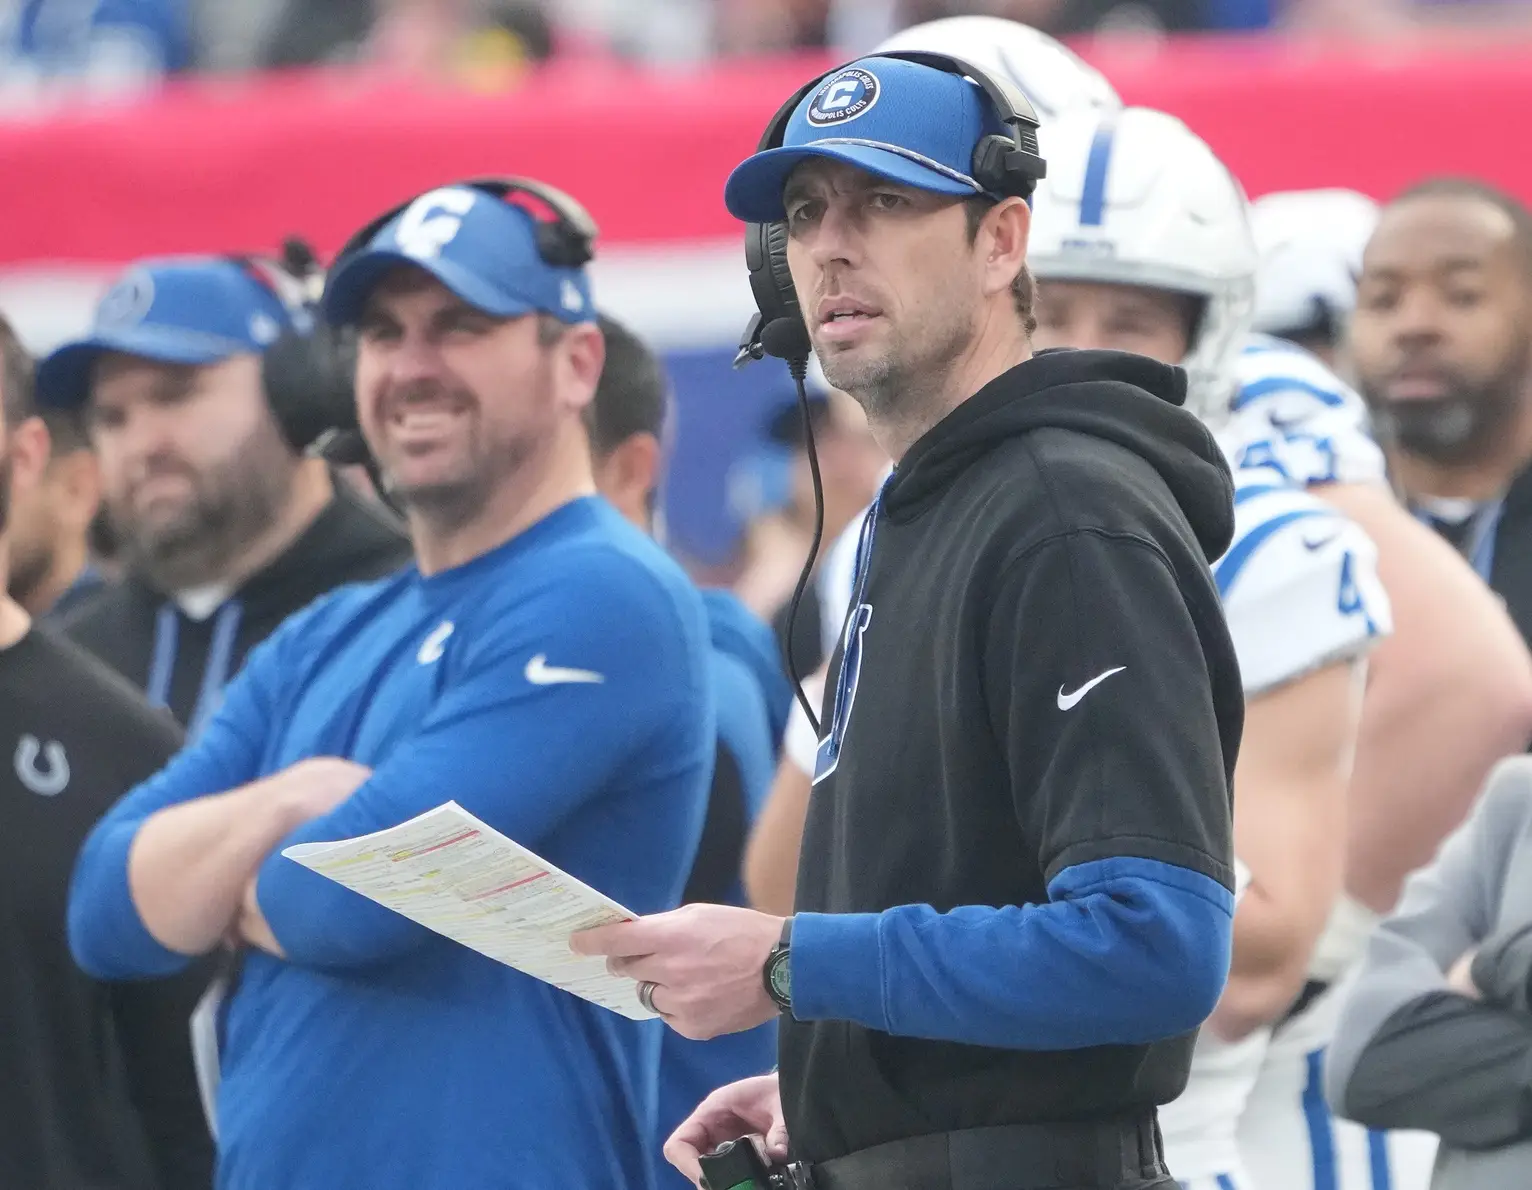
x: 380, y: 1054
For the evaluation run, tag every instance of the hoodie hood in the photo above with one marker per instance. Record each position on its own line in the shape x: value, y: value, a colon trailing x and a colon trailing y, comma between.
x: 1126, y: 399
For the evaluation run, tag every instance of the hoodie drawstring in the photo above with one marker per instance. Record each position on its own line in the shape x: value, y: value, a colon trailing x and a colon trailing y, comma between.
x: 215, y: 671
x: 162, y: 661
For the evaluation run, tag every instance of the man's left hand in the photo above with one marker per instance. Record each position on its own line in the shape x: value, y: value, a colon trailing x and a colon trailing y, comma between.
x: 706, y: 963
x: 250, y: 926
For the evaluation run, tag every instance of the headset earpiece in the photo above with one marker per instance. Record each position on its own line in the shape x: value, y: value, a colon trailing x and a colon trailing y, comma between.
x: 306, y: 370
x: 1009, y: 166
x: 779, y: 328
x: 1002, y: 165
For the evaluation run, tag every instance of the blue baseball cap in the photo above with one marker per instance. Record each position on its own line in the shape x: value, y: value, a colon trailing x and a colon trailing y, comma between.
x: 900, y: 120
x: 178, y: 310
x: 480, y: 246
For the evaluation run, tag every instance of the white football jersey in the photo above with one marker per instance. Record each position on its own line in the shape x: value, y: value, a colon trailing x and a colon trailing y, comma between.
x: 1293, y: 413
x: 1299, y: 583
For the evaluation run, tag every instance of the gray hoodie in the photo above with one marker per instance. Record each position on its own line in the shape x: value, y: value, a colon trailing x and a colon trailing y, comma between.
x: 1409, y: 1053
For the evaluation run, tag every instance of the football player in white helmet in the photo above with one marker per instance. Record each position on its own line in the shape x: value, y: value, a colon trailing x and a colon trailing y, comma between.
x: 1055, y: 79
x: 1125, y: 262
x: 1140, y: 241
x: 1050, y: 74
x: 1310, y: 244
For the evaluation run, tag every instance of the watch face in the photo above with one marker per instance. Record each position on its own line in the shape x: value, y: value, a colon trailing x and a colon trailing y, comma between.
x: 781, y: 978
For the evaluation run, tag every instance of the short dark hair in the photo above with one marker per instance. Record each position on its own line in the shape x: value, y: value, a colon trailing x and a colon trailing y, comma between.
x: 633, y: 394
x: 1024, y: 288
x: 1452, y: 186
x: 18, y: 395
x: 17, y: 368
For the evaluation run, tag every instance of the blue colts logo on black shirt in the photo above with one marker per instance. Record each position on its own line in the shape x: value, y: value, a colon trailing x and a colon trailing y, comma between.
x: 828, y: 756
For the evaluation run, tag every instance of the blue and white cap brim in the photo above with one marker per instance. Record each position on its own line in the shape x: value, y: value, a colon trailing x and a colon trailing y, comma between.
x: 753, y: 192
x: 63, y: 378
x: 348, y: 288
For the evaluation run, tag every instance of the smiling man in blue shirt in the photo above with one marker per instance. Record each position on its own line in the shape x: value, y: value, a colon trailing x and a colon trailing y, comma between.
x: 543, y: 663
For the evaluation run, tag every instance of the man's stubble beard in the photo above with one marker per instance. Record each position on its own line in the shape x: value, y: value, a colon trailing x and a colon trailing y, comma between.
x: 902, y: 384
x: 29, y: 569
x: 450, y: 505
x: 232, y: 505
x: 1467, y: 426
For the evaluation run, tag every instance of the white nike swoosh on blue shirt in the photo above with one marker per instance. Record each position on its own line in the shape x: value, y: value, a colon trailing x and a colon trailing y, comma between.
x: 540, y: 673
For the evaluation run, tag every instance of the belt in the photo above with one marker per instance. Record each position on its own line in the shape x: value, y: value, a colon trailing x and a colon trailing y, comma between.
x: 1096, y: 1156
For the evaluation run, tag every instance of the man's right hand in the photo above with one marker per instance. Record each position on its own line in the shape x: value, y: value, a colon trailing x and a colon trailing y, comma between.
x: 751, y: 1107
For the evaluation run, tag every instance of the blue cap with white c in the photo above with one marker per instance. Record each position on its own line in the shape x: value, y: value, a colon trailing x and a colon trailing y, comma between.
x: 176, y: 310
x: 899, y: 120
x: 479, y: 245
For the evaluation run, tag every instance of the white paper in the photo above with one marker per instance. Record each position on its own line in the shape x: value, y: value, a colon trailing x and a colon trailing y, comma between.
x: 460, y: 877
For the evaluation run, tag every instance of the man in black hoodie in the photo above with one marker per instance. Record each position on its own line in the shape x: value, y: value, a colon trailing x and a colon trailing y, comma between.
x: 1015, y: 895
x: 227, y: 529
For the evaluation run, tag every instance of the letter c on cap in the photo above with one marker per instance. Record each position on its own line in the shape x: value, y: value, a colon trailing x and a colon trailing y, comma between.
x: 432, y: 221
x: 840, y: 95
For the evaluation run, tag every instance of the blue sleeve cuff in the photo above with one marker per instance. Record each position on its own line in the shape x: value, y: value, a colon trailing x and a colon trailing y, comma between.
x: 106, y: 935
x: 1127, y: 951
x: 836, y: 968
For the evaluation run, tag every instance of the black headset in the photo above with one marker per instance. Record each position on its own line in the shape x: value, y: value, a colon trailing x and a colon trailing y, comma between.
x: 306, y: 369
x: 566, y: 233
x: 1004, y: 166
x: 309, y: 370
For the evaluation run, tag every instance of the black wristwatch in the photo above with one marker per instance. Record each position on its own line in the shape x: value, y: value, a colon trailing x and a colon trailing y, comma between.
x: 777, y: 973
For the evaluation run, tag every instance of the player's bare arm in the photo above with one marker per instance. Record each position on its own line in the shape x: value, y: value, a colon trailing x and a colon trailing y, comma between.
x: 1289, y: 830
x: 1455, y: 669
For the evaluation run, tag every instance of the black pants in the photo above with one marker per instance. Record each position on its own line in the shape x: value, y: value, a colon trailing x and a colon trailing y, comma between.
x: 1111, y: 1155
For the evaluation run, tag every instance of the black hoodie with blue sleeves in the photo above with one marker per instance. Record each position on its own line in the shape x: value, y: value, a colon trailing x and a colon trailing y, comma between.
x: 1015, y: 895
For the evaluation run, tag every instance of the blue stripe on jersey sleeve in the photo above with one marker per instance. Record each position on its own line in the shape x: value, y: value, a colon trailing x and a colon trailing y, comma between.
x: 1227, y: 568
x: 1126, y: 951
x: 1243, y: 495
x: 1257, y: 389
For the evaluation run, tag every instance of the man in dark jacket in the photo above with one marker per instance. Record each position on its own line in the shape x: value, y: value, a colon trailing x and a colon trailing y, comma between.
x: 1015, y: 895
x: 226, y: 527
x: 97, y: 1090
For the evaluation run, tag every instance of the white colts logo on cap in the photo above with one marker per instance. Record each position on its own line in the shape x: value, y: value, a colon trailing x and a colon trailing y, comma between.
x: 849, y: 94
x: 432, y: 221
x: 128, y: 301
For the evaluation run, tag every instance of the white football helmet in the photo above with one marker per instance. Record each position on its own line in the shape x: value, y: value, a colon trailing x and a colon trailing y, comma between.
x: 1310, y: 244
x: 1046, y: 71
x: 1136, y: 198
